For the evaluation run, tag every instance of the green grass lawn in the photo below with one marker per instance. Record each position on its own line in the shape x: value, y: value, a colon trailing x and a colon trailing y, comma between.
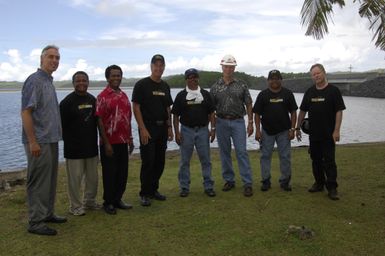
x: 228, y: 224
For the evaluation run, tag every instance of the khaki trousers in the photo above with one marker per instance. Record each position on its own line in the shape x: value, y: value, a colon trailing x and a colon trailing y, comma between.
x: 79, y: 172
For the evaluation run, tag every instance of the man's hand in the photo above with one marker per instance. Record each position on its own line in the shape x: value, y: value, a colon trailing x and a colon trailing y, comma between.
x: 108, y: 149
x: 144, y: 135
x: 212, y: 135
x: 336, y: 136
x: 298, y: 135
x: 250, y: 129
x: 131, y: 147
x: 291, y: 134
x: 35, y: 149
x: 170, y: 134
x: 178, y: 138
x: 258, y: 135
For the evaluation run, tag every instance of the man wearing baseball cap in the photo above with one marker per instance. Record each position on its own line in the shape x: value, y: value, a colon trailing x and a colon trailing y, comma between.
x: 232, y: 100
x: 193, y: 109
x: 275, y: 108
x: 151, y: 102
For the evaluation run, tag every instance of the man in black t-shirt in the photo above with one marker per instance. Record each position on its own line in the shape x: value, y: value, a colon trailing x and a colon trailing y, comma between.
x: 325, y: 104
x: 194, y: 109
x: 276, y: 109
x: 79, y: 125
x: 151, y: 103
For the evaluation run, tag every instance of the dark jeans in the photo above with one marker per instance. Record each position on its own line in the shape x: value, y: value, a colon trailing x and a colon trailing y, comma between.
x: 115, y: 172
x: 322, y: 154
x: 153, y: 159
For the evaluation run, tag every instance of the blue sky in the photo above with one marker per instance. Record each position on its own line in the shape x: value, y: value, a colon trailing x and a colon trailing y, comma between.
x: 262, y: 35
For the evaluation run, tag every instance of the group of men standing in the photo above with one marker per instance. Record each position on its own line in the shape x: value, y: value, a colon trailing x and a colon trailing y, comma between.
x: 199, y: 116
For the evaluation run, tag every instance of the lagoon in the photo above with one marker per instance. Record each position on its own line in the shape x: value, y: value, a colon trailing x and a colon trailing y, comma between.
x: 363, y: 121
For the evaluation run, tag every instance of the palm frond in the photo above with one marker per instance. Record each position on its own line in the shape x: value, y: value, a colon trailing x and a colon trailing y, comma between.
x: 374, y: 11
x: 315, y: 14
x: 379, y: 33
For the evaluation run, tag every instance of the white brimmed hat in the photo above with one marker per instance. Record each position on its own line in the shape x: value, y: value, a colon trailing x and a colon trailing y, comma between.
x: 228, y: 60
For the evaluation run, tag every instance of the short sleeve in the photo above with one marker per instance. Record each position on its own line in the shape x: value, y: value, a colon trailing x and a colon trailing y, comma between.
x: 30, y: 93
x: 137, y: 95
x: 292, y: 103
x: 176, y: 108
x: 339, y: 101
x: 305, y: 104
x: 258, y: 105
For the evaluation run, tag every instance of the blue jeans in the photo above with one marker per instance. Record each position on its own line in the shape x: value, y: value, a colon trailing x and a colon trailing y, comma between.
x: 283, y: 146
x: 235, y: 130
x: 198, y: 137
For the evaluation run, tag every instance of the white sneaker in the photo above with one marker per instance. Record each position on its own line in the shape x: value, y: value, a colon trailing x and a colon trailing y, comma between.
x: 77, y: 212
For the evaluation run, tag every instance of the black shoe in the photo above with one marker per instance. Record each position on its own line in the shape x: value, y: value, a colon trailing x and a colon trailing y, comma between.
x: 265, y: 186
x: 333, y: 195
x: 248, y: 191
x: 210, y: 192
x: 122, y: 205
x: 110, y: 209
x: 285, y: 186
x: 228, y: 186
x: 145, y: 201
x: 56, y: 219
x: 158, y: 196
x: 184, y: 192
x: 44, y: 231
x: 316, y: 188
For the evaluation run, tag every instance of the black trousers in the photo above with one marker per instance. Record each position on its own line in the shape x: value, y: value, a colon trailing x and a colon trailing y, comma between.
x: 115, y: 172
x: 322, y: 154
x: 153, y: 159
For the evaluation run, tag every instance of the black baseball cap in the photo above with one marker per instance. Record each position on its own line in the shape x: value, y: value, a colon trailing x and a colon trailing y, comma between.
x: 157, y: 57
x: 191, y: 71
x: 274, y: 73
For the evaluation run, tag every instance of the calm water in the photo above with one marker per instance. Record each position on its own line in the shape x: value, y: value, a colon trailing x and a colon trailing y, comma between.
x: 363, y: 121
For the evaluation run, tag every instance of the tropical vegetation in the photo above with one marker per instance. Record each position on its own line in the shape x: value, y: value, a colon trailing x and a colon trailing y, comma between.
x: 315, y: 15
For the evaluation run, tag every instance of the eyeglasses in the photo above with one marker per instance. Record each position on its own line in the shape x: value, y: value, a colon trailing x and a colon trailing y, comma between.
x: 192, y: 77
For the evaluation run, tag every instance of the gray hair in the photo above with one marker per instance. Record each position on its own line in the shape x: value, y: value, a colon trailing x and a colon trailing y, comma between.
x: 317, y: 65
x: 45, y: 49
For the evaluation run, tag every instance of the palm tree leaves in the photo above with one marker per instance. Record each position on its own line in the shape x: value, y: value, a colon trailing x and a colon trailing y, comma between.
x: 315, y: 14
x: 374, y: 11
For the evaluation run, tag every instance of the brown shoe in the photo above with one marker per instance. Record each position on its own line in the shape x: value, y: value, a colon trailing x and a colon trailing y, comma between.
x: 248, y: 191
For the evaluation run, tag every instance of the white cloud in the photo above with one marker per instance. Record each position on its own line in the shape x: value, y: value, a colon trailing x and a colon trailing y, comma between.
x: 261, y: 35
x: 14, y: 56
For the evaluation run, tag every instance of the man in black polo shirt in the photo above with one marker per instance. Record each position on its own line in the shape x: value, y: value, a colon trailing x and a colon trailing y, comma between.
x: 193, y: 108
x: 276, y: 109
x: 325, y: 104
x: 80, y: 136
x: 151, y: 102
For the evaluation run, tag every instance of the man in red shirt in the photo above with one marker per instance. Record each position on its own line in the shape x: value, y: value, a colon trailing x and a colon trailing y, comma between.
x: 114, y: 111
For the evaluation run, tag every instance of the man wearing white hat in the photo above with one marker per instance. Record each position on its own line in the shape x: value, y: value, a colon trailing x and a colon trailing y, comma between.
x: 233, y: 101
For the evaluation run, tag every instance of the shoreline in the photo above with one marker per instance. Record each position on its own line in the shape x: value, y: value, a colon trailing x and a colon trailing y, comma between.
x: 172, y: 152
x: 10, y: 178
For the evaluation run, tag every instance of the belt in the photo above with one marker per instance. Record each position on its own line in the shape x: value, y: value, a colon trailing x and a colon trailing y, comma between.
x: 228, y: 117
x: 196, y: 126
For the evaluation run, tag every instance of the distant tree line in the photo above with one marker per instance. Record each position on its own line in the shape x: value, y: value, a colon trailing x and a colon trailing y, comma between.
x: 208, y: 78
